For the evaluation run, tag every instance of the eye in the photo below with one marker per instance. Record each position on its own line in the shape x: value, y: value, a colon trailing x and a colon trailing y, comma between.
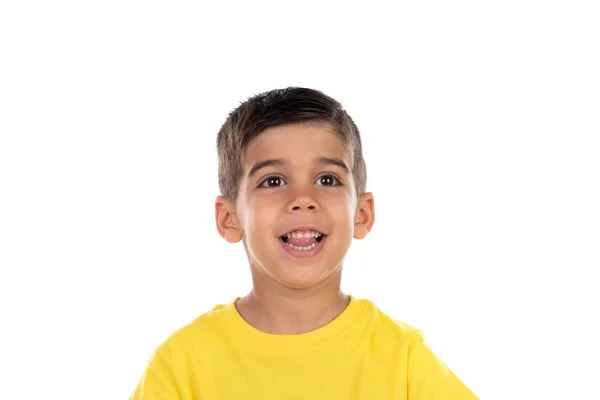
x: 272, y: 181
x: 328, y: 180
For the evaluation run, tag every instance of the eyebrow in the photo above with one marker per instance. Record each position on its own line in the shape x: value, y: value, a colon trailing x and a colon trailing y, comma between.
x: 334, y: 161
x: 263, y: 164
x: 279, y: 162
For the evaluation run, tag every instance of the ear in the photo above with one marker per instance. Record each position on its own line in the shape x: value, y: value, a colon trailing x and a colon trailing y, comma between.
x: 365, y: 216
x: 227, y: 224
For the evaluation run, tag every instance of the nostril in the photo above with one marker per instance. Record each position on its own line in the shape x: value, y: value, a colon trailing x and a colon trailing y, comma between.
x: 311, y: 207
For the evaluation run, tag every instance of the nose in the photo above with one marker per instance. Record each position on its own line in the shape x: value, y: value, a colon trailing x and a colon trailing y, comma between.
x: 303, y: 202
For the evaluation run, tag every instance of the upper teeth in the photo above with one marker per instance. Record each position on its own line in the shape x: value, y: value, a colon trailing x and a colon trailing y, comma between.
x: 306, y: 234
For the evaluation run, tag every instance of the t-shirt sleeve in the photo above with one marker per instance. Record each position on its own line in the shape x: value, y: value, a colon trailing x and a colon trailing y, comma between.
x: 161, y: 379
x: 429, y: 378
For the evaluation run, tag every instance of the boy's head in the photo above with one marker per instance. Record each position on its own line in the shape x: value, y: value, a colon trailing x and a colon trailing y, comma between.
x: 293, y: 181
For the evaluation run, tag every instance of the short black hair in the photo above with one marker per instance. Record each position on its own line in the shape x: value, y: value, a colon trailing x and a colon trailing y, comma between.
x: 280, y: 107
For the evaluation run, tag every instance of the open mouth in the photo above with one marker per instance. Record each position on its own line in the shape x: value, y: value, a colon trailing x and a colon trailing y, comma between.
x: 302, y: 240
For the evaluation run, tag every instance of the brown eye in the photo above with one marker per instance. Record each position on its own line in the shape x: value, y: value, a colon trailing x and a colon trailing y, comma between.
x: 328, y: 180
x: 272, y: 181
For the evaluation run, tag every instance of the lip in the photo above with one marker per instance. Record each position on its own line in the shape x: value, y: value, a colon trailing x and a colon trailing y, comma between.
x: 304, y: 253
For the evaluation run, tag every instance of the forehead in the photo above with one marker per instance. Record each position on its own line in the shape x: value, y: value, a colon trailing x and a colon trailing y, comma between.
x: 299, y: 141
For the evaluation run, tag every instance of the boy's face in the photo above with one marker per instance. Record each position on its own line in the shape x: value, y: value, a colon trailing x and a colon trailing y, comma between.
x: 297, y: 209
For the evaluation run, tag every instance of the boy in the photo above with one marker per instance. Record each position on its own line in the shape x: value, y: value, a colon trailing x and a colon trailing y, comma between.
x: 293, y: 191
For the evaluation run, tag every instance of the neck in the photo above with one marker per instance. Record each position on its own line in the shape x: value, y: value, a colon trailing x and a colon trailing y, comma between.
x: 275, y: 309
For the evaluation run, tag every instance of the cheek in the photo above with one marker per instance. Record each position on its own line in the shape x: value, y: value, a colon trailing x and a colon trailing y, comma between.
x: 342, y: 215
x: 261, y: 218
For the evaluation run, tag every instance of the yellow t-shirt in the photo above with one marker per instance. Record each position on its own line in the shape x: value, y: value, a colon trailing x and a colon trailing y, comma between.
x: 362, y: 354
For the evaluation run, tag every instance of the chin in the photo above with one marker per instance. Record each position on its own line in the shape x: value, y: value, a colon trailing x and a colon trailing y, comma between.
x: 298, y: 269
x: 302, y: 277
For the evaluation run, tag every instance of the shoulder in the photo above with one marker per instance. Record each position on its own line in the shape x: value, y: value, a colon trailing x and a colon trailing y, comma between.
x: 200, y: 333
x: 389, y: 331
x: 170, y: 369
x: 385, y: 322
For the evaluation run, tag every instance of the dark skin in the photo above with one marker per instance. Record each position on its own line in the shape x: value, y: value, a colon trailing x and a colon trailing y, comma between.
x: 305, y: 181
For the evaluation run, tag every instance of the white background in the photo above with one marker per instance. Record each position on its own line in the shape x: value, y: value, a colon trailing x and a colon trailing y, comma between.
x: 480, y: 123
